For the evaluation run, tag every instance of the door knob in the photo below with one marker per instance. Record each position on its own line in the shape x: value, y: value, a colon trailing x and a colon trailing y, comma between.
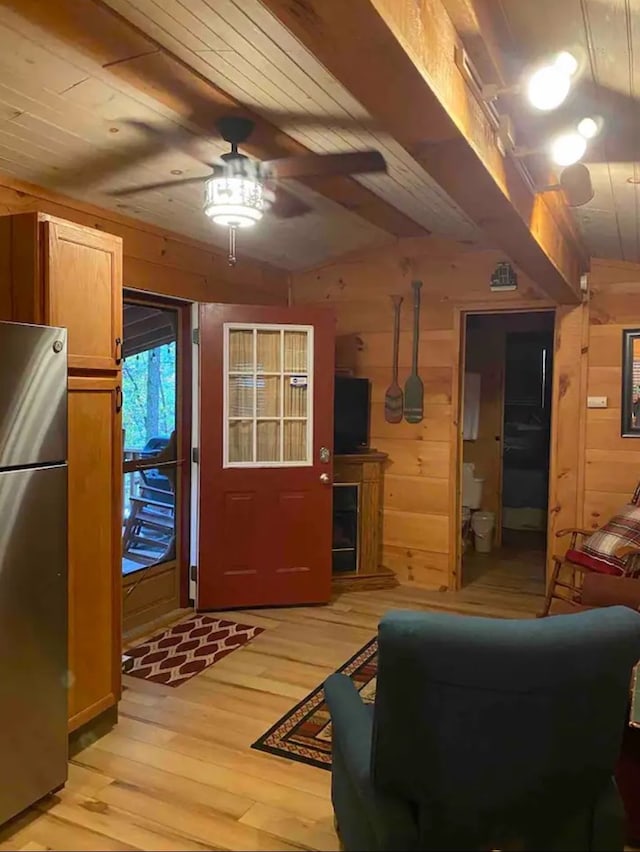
x: 324, y: 477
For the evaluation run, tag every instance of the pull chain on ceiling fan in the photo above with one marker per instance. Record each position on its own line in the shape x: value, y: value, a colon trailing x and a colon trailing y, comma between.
x: 239, y: 191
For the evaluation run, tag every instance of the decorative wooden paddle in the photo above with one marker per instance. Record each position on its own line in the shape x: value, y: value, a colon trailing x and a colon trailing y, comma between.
x: 413, y: 387
x: 393, y: 398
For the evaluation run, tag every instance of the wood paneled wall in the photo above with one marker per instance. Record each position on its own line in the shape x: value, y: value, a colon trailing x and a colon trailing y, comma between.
x: 420, y: 515
x: 611, y: 463
x: 155, y: 260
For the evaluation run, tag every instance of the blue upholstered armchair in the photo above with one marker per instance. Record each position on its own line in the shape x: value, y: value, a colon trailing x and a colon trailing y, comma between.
x: 486, y: 733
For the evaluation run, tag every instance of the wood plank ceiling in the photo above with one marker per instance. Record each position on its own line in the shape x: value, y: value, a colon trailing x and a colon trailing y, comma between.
x: 608, y: 33
x: 61, y: 107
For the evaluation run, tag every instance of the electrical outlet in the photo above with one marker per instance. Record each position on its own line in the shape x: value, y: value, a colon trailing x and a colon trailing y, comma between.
x: 597, y: 402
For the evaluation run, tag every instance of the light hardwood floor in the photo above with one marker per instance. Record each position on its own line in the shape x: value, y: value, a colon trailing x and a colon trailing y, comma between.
x: 177, y: 773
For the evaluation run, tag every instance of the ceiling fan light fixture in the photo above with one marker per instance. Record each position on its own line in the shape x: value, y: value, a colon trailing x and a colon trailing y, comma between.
x: 234, y: 202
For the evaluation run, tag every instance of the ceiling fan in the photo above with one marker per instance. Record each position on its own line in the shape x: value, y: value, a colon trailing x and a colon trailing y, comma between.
x: 238, y: 191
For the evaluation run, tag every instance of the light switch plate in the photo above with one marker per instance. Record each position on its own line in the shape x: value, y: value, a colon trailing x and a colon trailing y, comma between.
x: 597, y: 402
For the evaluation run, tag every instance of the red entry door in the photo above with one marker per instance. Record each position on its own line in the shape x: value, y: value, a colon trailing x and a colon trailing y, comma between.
x: 266, y: 455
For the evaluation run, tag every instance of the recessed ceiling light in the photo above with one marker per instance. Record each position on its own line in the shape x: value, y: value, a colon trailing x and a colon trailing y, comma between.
x: 633, y: 180
x: 176, y: 171
x: 114, y: 130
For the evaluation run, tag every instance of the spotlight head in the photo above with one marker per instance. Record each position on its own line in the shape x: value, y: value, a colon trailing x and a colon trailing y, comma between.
x: 567, y: 148
x: 549, y: 85
x: 589, y: 127
x: 566, y: 62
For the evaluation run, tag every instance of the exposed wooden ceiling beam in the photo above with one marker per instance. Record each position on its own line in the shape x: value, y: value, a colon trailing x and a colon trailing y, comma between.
x: 137, y: 59
x: 397, y: 58
x: 476, y: 25
x: 487, y: 38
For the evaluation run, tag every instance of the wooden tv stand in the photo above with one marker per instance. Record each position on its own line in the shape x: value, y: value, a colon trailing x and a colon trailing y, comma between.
x: 358, y: 481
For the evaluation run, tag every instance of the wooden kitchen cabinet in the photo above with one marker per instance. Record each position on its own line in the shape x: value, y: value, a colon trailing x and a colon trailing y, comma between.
x: 54, y: 272
x: 83, y: 291
x: 68, y: 275
x: 95, y: 510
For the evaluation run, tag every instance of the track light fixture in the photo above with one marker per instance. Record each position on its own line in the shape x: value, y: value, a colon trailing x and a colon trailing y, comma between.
x: 565, y: 148
x: 546, y: 86
x: 575, y: 183
x: 570, y: 146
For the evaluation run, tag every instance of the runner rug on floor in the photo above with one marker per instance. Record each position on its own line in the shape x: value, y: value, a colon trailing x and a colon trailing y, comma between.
x: 304, y: 734
x: 177, y: 654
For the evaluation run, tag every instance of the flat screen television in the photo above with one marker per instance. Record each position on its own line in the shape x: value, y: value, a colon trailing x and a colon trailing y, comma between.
x: 351, y: 414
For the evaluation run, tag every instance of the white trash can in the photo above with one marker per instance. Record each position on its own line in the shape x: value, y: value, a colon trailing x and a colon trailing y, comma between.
x: 482, y: 524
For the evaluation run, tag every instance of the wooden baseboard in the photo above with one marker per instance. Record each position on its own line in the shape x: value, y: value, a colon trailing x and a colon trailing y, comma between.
x: 359, y: 582
x: 141, y: 631
x: 92, y: 730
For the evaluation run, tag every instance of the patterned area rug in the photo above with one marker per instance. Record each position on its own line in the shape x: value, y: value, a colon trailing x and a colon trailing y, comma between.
x: 187, y: 648
x: 304, y: 733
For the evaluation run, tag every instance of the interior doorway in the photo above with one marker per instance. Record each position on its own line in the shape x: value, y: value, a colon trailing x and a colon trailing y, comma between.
x: 508, y: 379
x: 155, y: 522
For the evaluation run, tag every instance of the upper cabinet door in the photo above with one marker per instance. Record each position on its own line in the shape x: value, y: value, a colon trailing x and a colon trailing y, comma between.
x: 83, y: 292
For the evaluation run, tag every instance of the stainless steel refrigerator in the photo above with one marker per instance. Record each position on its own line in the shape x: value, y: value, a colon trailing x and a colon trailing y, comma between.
x: 33, y: 564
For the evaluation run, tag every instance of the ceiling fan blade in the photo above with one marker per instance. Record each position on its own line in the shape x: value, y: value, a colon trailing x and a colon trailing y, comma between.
x: 176, y: 136
x: 90, y: 173
x: 287, y: 205
x: 165, y: 184
x: 324, y: 165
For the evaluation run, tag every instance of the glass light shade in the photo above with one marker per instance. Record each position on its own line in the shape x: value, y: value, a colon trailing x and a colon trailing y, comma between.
x: 588, y: 127
x: 236, y: 202
x: 548, y: 87
x: 567, y: 63
x: 568, y: 148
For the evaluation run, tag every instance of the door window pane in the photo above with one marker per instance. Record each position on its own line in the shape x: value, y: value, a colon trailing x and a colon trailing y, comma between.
x: 268, y: 396
x: 268, y: 445
x: 268, y: 417
x: 241, y: 395
x: 295, y: 351
x: 268, y: 358
x: 241, y: 440
x: 295, y: 397
x: 295, y: 440
x: 241, y: 351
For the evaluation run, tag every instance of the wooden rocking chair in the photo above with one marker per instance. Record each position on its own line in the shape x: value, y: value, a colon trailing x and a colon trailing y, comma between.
x: 565, y: 583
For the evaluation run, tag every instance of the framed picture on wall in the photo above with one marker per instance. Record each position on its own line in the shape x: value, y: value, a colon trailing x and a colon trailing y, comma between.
x: 631, y: 383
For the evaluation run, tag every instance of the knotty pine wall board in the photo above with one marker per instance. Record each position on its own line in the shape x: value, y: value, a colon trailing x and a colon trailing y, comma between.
x: 419, y: 510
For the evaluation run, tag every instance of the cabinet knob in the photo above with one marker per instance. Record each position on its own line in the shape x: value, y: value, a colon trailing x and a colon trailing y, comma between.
x: 325, y: 478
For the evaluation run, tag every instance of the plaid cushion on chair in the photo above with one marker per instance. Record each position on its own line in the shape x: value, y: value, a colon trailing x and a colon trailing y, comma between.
x: 592, y: 563
x: 598, y: 552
